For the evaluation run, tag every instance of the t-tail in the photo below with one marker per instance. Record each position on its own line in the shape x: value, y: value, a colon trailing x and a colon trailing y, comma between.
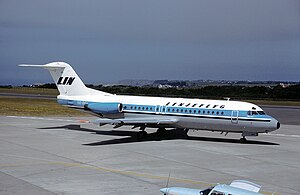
x: 66, y: 80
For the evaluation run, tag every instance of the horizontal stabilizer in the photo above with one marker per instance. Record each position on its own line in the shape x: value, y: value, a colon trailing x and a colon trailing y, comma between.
x: 51, y: 65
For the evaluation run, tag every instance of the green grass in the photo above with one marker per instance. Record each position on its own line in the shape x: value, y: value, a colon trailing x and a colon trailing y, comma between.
x: 35, y: 107
x: 29, y: 90
x: 45, y: 107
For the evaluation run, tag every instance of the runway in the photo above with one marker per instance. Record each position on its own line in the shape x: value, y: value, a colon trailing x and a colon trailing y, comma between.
x: 63, y: 156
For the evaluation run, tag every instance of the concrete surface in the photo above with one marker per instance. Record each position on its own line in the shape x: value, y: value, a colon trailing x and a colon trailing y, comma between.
x: 62, y: 156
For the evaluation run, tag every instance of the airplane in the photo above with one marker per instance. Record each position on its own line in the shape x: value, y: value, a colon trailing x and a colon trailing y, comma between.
x: 158, y: 112
x: 237, y: 187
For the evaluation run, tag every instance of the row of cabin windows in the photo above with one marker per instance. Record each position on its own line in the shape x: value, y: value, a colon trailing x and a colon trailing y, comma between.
x: 139, y: 108
x: 194, y: 105
x: 175, y: 110
x: 193, y: 111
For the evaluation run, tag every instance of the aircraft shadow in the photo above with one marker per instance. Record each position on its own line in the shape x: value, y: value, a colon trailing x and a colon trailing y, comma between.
x: 132, y: 136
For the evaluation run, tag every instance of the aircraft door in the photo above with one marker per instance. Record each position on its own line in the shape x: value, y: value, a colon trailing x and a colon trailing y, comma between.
x: 163, y: 109
x: 235, y: 117
x: 157, y: 109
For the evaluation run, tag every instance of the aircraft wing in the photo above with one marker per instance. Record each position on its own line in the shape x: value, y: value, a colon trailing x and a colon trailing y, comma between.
x: 135, y: 121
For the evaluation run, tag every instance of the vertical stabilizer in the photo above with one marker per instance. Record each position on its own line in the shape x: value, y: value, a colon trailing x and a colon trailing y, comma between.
x: 66, y: 79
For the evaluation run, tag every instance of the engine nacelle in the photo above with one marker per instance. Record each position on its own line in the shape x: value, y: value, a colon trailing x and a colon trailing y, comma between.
x: 105, y: 107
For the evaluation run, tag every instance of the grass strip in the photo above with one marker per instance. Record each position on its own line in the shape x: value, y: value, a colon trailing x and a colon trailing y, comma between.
x: 35, y: 107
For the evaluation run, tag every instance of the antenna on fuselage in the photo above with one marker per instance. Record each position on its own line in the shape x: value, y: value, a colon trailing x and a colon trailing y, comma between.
x: 227, y: 98
x: 167, y: 185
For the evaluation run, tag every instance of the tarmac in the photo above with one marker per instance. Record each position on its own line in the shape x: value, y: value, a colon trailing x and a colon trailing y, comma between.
x: 51, y: 155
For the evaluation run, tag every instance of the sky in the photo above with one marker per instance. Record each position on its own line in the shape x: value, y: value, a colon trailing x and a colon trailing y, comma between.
x: 112, y: 40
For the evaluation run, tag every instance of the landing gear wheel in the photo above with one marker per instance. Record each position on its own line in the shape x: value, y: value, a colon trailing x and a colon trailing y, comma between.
x: 243, y: 140
x: 185, y: 131
x: 161, y: 132
x: 142, y: 134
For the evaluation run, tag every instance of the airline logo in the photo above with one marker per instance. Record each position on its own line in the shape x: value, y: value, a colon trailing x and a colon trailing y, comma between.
x: 65, y: 80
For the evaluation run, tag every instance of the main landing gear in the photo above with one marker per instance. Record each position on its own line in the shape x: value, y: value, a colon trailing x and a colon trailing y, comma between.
x: 142, y: 134
x: 161, y: 132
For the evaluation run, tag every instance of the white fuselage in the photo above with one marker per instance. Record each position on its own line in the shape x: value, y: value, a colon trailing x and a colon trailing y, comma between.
x: 198, y: 114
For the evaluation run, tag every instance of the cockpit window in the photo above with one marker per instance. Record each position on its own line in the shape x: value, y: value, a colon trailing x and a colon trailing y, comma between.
x: 205, y: 192
x: 261, y: 113
x: 250, y: 113
x: 217, y: 193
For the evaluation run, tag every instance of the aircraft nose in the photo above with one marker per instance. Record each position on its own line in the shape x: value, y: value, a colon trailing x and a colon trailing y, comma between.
x: 278, y: 125
x: 274, y: 125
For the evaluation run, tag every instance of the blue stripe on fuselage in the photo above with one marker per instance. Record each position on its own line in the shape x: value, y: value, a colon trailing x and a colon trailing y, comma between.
x: 172, y: 110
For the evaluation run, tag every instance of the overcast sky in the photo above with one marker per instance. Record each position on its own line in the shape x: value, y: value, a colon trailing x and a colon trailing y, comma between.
x: 107, y: 41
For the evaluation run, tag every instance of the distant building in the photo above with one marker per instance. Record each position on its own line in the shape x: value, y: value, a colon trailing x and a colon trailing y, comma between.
x: 160, y: 86
x: 284, y: 85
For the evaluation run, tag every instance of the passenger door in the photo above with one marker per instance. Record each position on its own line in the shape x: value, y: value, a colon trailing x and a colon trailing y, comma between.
x: 235, y: 117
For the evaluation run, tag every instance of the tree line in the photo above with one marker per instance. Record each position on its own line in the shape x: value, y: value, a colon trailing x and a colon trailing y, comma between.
x: 211, y: 92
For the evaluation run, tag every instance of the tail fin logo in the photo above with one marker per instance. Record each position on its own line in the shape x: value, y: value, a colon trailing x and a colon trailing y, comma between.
x: 65, y: 80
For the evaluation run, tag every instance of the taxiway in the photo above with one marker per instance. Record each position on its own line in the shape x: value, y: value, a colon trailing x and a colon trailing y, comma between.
x: 62, y: 156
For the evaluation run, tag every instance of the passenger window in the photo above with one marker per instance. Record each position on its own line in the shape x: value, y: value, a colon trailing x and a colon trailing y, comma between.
x: 168, y: 109
x: 208, y: 112
x: 217, y: 112
x: 222, y: 113
x: 213, y: 112
x: 125, y: 107
x: 190, y: 111
x: 177, y: 110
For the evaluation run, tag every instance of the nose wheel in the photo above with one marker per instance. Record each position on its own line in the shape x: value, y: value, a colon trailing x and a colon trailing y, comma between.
x: 243, y: 139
